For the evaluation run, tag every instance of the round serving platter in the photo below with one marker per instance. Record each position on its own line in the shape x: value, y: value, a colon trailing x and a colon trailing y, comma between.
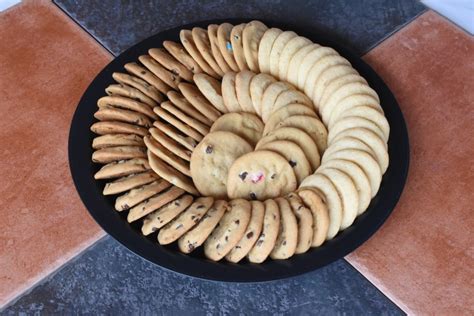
x: 195, y: 264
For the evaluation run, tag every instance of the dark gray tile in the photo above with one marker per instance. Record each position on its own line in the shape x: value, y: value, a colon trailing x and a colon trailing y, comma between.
x: 108, y: 279
x: 359, y: 24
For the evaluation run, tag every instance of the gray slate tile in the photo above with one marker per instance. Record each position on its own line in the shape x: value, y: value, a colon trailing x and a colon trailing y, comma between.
x: 107, y: 279
x: 358, y: 24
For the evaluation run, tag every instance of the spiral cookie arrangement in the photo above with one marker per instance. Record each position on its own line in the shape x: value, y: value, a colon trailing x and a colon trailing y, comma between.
x: 250, y: 141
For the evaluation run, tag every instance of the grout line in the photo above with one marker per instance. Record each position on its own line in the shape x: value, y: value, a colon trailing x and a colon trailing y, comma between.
x: 396, y: 30
x: 83, y: 28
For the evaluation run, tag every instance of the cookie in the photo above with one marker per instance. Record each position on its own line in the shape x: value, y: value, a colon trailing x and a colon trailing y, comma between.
x: 377, y: 145
x: 163, y: 215
x: 285, y: 245
x: 190, y: 121
x: 251, y: 234
x: 122, y: 168
x: 139, y: 84
x: 300, y: 138
x: 137, y: 195
x: 182, y: 127
x: 291, y: 47
x: 229, y: 94
x: 304, y: 219
x: 245, y: 125
x: 347, y: 192
x: 265, y: 48
x: 108, y: 113
x: 369, y: 113
x: 260, y: 175
x: 212, y: 33
x: 181, y: 103
x: 187, y: 40
x: 277, y: 49
x: 282, y: 113
x: 242, y: 90
x: 330, y: 197
x: 148, y: 76
x: 167, y: 156
x: 161, y: 72
x: 316, y: 70
x: 211, y: 89
x: 130, y: 92
x: 343, y: 92
x: 346, y: 104
x: 291, y: 97
x: 229, y: 231
x: 266, y: 241
x: 184, y: 221
x: 364, y: 160
x: 296, y: 60
x: 126, y: 104
x: 327, y: 76
x: 170, y: 174
x: 346, y: 143
x: 200, y: 103
x: 293, y: 154
x: 225, y: 46
x: 251, y: 36
x: 153, y: 203
x: 179, y: 52
x: 211, y: 160
x: 336, y: 85
x: 112, y: 140
x: 270, y: 95
x: 170, y: 63
x: 312, y: 126
x: 109, y: 154
x: 310, y: 60
x: 111, y: 127
x: 319, y: 211
x: 170, y: 144
x: 203, y: 45
x: 358, y: 176
x: 170, y: 131
x: 199, y: 233
x: 347, y: 122
x: 237, y: 46
x: 129, y: 182
x: 258, y: 85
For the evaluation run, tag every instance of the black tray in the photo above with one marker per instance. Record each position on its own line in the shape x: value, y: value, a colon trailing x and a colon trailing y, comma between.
x: 102, y: 208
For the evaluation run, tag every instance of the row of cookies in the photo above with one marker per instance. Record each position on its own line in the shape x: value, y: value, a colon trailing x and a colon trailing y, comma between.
x: 240, y: 229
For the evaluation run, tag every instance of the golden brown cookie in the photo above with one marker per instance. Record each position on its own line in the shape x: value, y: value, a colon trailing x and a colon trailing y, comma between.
x: 242, y: 90
x: 266, y: 241
x: 285, y: 245
x: 137, y: 195
x: 200, y: 103
x: 181, y: 103
x: 304, y: 219
x: 184, y: 221
x: 203, y: 44
x: 170, y: 144
x: 211, y: 89
x: 170, y: 63
x: 178, y: 124
x: 161, y: 72
x: 126, y: 104
x: 258, y: 85
x: 129, y: 182
x: 212, y: 32
x: 179, y: 52
x: 130, y: 92
x: 190, y: 121
x: 112, y: 127
x: 229, y: 94
x: 170, y: 131
x: 245, y: 125
x: 229, y: 231
x: 109, y: 113
x: 165, y: 155
x: 122, y: 168
x: 139, y: 84
x: 225, y: 46
x: 251, y: 36
x: 237, y: 46
x: 112, y: 140
x: 319, y: 210
x: 109, y: 154
x: 148, y: 76
x: 187, y: 40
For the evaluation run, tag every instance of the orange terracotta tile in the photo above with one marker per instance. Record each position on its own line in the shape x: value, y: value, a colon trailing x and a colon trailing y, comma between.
x: 422, y: 258
x: 46, y: 62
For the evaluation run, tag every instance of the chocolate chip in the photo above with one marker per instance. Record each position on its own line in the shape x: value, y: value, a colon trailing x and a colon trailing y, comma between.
x: 249, y: 235
x: 143, y: 72
x: 200, y: 206
x: 137, y: 99
x: 226, y: 238
x: 253, y: 196
x: 176, y: 203
x: 292, y: 163
x: 218, y: 246
x: 190, y: 247
x: 237, y: 222
x: 208, y: 149
x: 300, y: 207
x: 243, y: 175
x: 196, y: 220
x: 237, y: 247
x: 179, y: 226
x: 193, y: 217
x: 236, y: 37
x: 143, y: 208
x: 161, y: 221
x: 175, y: 72
x: 273, y: 176
x: 259, y: 242
x: 154, y: 229
x: 125, y: 206
x: 274, y: 216
x: 284, y: 242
